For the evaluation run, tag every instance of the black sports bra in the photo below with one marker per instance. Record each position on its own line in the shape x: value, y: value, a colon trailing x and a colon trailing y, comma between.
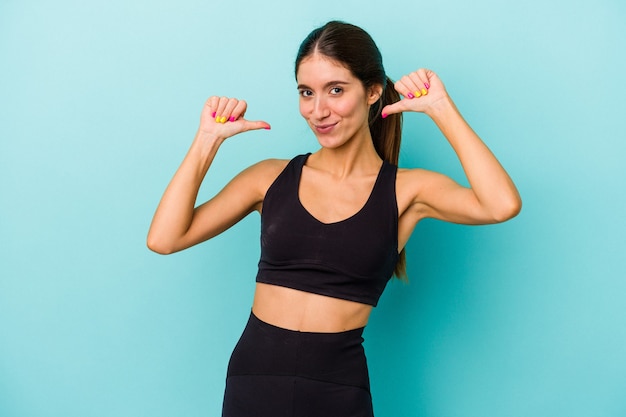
x: 352, y: 259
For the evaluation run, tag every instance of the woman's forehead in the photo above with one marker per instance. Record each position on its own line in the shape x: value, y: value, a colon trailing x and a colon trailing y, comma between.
x: 320, y: 69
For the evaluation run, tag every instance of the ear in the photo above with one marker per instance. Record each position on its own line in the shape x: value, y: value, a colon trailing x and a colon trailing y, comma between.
x: 374, y: 94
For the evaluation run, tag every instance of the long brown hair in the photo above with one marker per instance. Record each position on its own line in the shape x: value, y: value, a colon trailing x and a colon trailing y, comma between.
x: 355, y: 49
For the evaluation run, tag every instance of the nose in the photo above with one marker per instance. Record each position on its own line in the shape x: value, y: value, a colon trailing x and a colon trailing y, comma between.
x: 320, y: 108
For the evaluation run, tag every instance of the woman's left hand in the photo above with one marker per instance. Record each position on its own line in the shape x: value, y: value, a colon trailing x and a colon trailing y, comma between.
x: 421, y: 91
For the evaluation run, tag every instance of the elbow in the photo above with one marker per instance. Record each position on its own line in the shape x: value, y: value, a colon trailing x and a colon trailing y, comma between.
x: 508, y: 209
x: 157, y: 246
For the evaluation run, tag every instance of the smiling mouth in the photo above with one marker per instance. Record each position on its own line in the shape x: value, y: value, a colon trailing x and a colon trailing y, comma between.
x: 325, y: 128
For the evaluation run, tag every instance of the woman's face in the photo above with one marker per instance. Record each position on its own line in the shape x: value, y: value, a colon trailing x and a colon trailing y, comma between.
x: 333, y: 101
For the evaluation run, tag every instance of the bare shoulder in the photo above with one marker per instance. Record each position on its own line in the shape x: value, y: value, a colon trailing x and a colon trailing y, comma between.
x: 413, y: 179
x: 411, y: 183
x: 253, y: 182
x: 410, y: 174
x: 271, y: 165
x: 266, y: 171
x: 408, y: 180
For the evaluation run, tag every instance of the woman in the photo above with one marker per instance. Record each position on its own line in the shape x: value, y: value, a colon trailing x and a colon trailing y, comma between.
x: 334, y: 222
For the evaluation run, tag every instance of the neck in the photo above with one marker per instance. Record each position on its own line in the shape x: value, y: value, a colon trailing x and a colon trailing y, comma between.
x: 358, y: 156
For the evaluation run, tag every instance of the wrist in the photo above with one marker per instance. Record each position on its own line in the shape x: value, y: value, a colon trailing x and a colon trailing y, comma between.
x: 207, y: 137
x: 205, y: 145
x: 208, y: 140
x: 440, y: 108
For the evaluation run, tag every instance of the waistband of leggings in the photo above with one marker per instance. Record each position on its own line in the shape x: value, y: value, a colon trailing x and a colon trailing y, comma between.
x: 345, y: 334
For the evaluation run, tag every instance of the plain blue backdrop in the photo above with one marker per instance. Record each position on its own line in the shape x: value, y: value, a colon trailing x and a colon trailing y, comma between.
x: 99, y: 101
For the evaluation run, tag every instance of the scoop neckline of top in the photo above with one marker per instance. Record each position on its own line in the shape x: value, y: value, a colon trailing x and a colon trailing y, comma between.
x: 359, y: 211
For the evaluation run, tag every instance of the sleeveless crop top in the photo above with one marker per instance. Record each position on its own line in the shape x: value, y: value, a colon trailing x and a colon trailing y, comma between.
x: 352, y: 259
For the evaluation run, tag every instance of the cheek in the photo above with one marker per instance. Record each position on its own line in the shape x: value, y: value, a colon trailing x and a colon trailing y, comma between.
x: 305, y: 108
x: 350, y: 108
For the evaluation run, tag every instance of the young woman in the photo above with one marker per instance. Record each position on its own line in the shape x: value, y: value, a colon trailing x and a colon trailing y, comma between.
x: 333, y: 223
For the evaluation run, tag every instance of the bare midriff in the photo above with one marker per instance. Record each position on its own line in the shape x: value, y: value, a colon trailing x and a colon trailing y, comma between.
x: 307, y: 312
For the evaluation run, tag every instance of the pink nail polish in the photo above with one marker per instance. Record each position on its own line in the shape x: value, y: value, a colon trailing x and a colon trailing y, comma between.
x: 214, y: 113
x: 384, y: 115
x: 427, y: 85
x: 231, y: 119
x: 267, y: 128
x: 410, y: 95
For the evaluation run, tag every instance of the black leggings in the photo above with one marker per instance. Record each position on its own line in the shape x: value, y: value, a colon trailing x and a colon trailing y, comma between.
x: 285, y: 373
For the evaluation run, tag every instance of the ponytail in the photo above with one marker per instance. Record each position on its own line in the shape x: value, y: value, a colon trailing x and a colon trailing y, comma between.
x: 387, y: 132
x: 386, y: 135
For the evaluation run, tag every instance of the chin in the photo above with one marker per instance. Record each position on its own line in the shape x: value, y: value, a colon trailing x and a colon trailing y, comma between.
x: 330, y: 142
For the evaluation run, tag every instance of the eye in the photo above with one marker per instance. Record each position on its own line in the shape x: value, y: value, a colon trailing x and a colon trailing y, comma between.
x: 305, y: 93
x: 336, y: 90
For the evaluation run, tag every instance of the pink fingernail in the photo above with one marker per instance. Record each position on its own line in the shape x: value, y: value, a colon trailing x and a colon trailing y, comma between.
x: 384, y: 115
x: 410, y: 95
x: 427, y: 85
x: 231, y: 119
x: 267, y: 128
x: 214, y: 113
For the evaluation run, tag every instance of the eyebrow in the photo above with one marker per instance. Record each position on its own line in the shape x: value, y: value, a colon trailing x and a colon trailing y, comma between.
x: 328, y: 84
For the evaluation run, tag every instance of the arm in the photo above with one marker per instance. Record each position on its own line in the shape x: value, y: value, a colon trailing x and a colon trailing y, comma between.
x: 176, y: 224
x: 492, y: 197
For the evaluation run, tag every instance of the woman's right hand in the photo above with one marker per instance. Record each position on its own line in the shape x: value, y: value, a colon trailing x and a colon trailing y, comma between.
x: 177, y: 223
x: 223, y: 117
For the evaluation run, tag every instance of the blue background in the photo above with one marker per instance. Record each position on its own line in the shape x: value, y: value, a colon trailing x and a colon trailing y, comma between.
x: 100, y: 101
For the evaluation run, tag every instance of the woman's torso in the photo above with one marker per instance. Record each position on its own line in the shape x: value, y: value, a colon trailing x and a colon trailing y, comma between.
x: 306, y: 311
